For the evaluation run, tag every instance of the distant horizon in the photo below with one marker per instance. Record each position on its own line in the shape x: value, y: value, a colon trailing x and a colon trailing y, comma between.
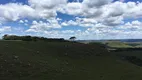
x: 116, y: 39
x: 77, y: 38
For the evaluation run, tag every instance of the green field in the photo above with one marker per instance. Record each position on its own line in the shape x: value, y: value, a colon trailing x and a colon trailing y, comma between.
x: 42, y: 60
x: 118, y: 44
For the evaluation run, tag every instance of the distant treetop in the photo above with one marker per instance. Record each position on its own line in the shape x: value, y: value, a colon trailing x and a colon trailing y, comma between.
x: 30, y: 38
x: 72, y: 38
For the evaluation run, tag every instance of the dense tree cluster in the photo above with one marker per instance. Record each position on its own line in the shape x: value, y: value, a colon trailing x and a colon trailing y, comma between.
x: 30, y: 38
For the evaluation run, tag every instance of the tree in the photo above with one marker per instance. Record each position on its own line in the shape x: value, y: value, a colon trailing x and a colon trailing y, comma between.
x: 5, y: 37
x: 72, y: 38
x: 26, y: 38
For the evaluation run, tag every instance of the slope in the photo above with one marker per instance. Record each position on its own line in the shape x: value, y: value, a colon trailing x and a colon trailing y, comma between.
x: 21, y: 60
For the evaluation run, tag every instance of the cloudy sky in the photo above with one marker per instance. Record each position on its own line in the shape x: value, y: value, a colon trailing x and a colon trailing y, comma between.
x: 85, y: 19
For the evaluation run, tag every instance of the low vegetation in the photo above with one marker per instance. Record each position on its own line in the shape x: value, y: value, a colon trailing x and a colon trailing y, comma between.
x: 30, y: 38
x: 117, y: 44
x: 56, y: 60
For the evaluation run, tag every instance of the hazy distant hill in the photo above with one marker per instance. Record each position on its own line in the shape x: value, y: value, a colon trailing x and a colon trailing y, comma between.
x: 131, y: 40
x: 121, y: 40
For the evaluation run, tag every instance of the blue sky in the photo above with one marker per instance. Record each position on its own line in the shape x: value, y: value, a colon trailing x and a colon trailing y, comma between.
x: 85, y: 19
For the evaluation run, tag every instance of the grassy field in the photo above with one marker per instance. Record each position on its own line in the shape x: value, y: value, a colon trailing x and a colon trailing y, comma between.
x: 21, y: 60
x: 118, y: 44
x: 136, y: 44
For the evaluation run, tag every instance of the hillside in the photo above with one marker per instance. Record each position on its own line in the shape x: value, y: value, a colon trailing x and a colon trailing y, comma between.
x: 42, y: 60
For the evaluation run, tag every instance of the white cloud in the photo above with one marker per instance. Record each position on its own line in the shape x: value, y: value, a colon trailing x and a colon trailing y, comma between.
x: 15, y: 11
x: 5, y: 29
x: 68, y: 31
x: 44, y: 26
x: 73, y: 8
x: 47, y: 8
x: 26, y: 21
x: 49, y: 4
x: 88, y: 8
x: 69, y: 23
x: 101, y: 17
x: 108, y: 13
x: 98, y: 31
x: 129, y: 9
x: 21, y: 21
x: 59, y: 34
x: 133, y: 26
x: 96, y: 3
x: 113, y: 21
x: 83, y: 22
x: 35, y: 9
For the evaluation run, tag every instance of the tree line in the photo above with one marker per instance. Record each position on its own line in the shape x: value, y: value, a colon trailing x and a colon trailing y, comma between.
x: 30, y: 38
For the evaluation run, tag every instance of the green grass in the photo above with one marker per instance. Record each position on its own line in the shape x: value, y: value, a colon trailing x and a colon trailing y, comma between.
x: 135, y: 44
x: 138, y: 54
x: 117, y: 44
x: 21, y: 60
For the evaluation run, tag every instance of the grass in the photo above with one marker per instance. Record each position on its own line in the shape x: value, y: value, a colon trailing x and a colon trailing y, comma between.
x: 136, y: 44
x: 117, y: 44
x: 21, y: 60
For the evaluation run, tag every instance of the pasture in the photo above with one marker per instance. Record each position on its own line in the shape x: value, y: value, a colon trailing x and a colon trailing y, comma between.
x: 43, y: 60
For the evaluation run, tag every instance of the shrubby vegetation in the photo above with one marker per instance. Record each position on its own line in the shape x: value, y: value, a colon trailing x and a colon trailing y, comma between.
x: 30, y: 38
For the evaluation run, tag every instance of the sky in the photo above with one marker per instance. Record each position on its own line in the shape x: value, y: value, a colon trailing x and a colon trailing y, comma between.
x: 84, y: 19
